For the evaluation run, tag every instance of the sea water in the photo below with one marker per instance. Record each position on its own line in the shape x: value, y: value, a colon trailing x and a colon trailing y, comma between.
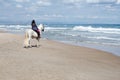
x: 100, y: 36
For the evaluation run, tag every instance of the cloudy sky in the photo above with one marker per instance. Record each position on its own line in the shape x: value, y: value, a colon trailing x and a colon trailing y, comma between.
x: 60, y: 11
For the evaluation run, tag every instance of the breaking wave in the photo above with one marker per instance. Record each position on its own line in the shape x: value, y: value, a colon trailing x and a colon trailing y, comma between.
x: 97, y: 29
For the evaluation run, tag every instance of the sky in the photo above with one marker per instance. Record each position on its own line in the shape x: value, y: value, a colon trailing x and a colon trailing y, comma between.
x: 60, y: 11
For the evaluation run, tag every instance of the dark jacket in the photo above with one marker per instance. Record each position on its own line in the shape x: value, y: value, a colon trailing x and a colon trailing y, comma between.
x: 34, y: 27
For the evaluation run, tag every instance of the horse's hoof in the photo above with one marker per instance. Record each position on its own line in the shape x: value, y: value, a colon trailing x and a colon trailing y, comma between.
x: 25, y: 47
x: 29, y: 46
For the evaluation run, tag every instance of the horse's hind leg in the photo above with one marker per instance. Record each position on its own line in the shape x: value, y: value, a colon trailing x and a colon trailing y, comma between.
x: 37, y: 44
x: 29, y: 44
x: 26, y: 44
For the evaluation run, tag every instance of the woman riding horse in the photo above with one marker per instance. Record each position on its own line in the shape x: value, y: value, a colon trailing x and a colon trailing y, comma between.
x: 35, y: 28
x: 31, y: 34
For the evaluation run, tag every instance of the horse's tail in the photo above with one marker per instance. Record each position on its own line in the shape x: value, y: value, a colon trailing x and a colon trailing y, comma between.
x: 26, y: 35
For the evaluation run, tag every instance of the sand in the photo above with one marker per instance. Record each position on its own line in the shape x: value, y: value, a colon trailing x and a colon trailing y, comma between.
x: 54, y: 61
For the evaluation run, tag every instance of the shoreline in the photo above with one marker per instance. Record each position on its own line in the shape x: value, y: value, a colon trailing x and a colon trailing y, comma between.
x: 107, y: 48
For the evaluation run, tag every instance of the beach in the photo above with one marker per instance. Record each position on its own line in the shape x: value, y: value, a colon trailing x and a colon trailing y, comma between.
x: 54, y: 61
x: 105, y: 37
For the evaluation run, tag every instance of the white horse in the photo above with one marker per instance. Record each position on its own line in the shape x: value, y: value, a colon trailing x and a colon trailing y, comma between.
x: 30, y: 34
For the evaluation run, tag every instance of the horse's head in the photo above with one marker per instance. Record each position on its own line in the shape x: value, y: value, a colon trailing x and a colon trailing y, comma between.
x: 41, y: 27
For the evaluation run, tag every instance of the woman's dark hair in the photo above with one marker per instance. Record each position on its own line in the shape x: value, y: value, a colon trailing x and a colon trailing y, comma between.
x: 33, y: 22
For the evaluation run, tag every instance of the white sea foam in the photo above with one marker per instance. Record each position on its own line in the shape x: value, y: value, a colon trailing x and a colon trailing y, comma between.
x: 14, y: 28
x: 100, y: 29
x: 55, y: 28
x: 106, y: 38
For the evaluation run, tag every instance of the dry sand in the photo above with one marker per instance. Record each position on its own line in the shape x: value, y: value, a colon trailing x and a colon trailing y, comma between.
x: 54, y: 61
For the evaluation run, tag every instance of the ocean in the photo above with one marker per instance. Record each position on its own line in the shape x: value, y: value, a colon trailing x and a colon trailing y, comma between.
x: 104, y: 37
